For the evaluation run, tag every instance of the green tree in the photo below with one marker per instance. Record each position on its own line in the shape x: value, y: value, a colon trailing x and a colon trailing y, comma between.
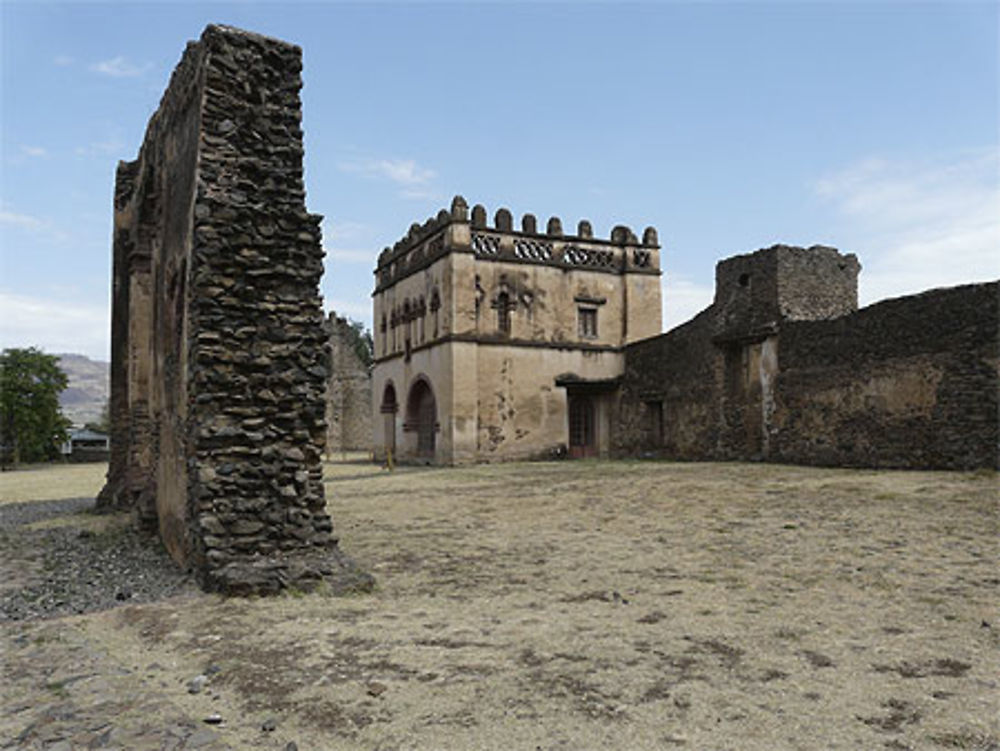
x: 361, y: 342
x: 31, y: 425
x: 103, y: 424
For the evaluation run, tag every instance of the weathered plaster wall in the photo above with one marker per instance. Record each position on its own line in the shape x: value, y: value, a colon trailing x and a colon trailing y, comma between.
x: 390, y: 429
x: 218, y: 387
x: 521, y: 413
x: 544, y: 303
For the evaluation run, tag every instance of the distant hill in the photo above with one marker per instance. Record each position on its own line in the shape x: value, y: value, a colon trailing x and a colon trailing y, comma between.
x: 88, y: 389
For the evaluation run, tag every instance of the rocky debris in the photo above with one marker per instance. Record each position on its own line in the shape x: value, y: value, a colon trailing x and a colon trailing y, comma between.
x: 79, y: 571
x: 376, y: 689
x: 72, y: 695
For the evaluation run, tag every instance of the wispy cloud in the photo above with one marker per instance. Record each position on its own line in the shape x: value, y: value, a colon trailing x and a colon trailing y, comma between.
x: 359, y: 310
x: 683, y: 299
x: 119, y: 67
x: 422, y: 194
x: 13, y: 222
x: 413, y: 180
x: 402, y: 171
x: 33, y: 151
x: 351, y: 255
x: 918, y: 225
x: 54, y: 325
x: 63, y: 61
x: 346, y: 230
x: 101, y: 148
x: 23, y: 221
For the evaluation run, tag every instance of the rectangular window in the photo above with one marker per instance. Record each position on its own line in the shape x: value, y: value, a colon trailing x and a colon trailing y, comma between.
x: 588, y: 322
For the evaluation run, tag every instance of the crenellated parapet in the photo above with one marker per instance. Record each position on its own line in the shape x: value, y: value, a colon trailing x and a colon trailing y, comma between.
x: 459, y: 230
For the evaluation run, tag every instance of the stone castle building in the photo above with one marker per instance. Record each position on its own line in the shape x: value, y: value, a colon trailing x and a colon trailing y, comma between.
x: 498, y: 343
x: 493, y: 343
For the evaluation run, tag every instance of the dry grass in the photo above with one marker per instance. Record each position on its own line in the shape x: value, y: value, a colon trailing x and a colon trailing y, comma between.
x: 593, y: 605
x: 50, y: 482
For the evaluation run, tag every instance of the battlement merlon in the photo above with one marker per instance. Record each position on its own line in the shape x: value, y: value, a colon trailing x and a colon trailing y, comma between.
x: 456, y: 231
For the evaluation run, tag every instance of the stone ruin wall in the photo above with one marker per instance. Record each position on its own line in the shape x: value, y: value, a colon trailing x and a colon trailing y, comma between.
x: 219, y: 356
x: 349, y: 392
x: 910, y: 382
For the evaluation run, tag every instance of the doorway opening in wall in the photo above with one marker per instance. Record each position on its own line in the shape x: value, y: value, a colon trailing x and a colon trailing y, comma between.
x: 653, y: 424
x: 582, y: 427
x: 421, y: 417
x: 388, y: 409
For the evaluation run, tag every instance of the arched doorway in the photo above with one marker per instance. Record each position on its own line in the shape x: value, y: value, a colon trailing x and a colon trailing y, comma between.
x: 421, y: 417
x: 389, y: 409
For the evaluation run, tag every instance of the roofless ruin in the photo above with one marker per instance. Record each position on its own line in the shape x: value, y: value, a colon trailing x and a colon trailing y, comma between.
x: 490, y: 343
x: 219, y: 354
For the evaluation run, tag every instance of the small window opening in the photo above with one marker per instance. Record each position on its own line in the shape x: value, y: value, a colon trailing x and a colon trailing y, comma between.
x: 435, y: 306
x: 744, y: 280
x: 503, y: 313
x: 588, y: 322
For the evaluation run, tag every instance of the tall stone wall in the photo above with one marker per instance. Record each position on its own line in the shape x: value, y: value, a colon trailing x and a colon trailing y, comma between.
x: 349, y: 392
x: 219, y: 363
x: 779, y: 368
x: 671, y: 395
x: 909, y: 382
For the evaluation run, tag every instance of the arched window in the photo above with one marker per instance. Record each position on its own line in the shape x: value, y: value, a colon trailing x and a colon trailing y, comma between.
x: 435, y: 307
x: 389, y: 399
x: 422, y: 313
x: 503, y: 313
x: 407, y: 334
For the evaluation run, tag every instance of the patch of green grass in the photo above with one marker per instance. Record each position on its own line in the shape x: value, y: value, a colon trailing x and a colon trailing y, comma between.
x: 58, y: 688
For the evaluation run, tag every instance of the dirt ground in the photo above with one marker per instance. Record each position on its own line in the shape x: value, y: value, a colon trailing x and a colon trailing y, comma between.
x: 567, y: 605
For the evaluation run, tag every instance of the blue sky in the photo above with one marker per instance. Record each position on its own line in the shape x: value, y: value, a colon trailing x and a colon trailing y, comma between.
x: 729, y: 127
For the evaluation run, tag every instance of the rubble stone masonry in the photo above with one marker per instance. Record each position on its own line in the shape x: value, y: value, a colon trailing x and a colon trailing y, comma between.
x: 349, y: 391
x: 783, y: 367
x: 219, y: 356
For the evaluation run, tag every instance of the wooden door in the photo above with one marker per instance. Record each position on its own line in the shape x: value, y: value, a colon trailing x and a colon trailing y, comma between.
x: 426, y: 419
x: 582, y: 427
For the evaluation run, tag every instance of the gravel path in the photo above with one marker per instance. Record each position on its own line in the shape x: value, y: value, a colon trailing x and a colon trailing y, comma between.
x: 95, y: 563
